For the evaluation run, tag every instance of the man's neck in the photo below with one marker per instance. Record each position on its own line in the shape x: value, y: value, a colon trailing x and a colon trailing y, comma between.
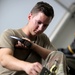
x: 27, y: 33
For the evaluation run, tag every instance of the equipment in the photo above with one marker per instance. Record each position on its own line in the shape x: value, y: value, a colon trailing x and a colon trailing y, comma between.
x: 23, y: 41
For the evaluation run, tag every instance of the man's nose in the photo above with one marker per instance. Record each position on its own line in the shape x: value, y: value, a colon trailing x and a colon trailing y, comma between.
x: 41, y: 27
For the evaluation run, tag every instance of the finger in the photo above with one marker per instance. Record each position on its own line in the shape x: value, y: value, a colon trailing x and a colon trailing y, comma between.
x: 38, y: 67
x: 19, y: 44
x: 33, y: 72
x: 26, y: 38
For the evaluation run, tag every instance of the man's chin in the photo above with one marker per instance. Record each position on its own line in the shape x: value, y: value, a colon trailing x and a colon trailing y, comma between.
x: 36, y: 34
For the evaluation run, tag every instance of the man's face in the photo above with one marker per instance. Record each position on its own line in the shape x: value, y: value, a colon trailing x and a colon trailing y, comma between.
x: 38, y: 23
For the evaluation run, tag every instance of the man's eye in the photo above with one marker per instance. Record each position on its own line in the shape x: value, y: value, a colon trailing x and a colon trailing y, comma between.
x: 45, y: 25
x: 39, y: 22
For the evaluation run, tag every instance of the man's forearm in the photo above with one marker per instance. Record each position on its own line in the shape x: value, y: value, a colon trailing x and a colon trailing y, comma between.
x: 8, y: 61
x: 43, y: 52
x: 12, y: 63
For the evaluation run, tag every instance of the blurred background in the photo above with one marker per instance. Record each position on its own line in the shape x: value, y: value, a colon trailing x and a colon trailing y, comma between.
x: 61, y: 31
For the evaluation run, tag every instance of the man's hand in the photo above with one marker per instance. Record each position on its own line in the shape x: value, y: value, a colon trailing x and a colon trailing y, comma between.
x: 25, y: 41
x: 33, y: 68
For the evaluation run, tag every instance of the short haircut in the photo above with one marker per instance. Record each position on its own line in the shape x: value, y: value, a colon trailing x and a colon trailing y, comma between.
x: 43, y: 7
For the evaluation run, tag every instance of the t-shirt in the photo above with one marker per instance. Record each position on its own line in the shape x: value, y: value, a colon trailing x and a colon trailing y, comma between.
x: 21, y: 53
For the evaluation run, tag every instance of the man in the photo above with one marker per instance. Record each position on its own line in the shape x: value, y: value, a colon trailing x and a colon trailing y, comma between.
x: 19, y: 59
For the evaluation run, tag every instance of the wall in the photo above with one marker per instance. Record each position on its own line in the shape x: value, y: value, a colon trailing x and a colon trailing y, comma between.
x: 64, y: 32
x: 66, y: 35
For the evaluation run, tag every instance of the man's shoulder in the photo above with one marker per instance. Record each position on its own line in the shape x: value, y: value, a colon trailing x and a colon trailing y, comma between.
x: 43, y: 35
x: 8, y: 30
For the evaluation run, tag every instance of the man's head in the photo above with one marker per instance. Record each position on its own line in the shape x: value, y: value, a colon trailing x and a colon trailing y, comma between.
x: 43, y: 7
x: 39, y: 18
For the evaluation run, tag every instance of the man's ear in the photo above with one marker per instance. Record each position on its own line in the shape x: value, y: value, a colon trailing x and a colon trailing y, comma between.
x: 29, y: 16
